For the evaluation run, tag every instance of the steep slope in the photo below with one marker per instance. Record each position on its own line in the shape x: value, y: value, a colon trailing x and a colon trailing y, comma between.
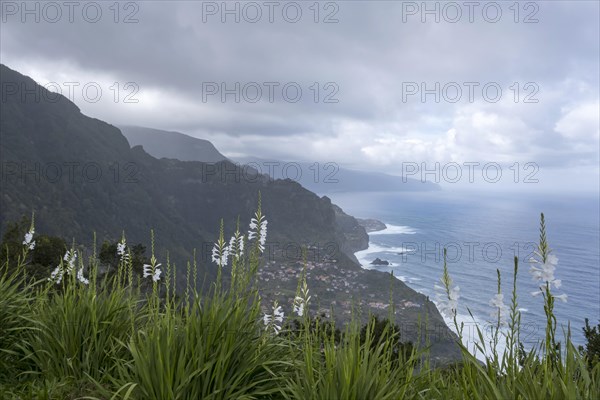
x: 165, y: 144
x: 79, y: 174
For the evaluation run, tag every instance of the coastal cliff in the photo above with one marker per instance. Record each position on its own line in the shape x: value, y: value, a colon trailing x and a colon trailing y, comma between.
x: 353, y: 236
x: 185, y: 202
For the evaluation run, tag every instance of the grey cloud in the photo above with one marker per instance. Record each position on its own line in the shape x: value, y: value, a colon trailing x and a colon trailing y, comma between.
x: 368, y: 54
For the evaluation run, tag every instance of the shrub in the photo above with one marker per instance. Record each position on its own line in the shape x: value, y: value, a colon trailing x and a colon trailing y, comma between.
x: 592, y: 347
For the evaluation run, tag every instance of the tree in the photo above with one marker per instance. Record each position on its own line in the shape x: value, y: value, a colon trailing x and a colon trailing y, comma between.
x: 592, y: 347
x: 109, y: 258
x: 45, y: 256
x: 12, y: 241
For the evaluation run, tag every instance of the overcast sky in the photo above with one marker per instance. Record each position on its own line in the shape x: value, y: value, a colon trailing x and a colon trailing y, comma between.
x: 371, y: 58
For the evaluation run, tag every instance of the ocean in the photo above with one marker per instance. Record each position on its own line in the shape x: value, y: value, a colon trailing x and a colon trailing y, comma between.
x: 483, y: 232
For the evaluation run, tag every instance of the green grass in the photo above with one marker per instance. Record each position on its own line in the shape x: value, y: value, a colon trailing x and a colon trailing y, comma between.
x: 126, y: 337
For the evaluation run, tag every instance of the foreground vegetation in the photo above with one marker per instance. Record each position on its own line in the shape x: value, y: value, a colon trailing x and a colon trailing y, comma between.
x: 80, y: 332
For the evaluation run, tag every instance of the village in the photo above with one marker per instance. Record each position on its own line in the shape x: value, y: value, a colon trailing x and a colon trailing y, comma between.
x: 334, y: 288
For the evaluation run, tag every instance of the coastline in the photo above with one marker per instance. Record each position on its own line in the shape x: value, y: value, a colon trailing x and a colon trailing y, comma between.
x: 442, y: 343
x: 376, y: 227
x: 371, y: 225
x: 469, y: 335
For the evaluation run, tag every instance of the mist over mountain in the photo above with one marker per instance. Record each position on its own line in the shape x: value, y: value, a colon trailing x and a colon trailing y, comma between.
x: 319, y: 177
x: 328, y: 177
x: 167, y: 144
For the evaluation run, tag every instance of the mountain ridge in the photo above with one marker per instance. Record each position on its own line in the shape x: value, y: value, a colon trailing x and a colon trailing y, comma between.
x: 318, y: 177
x: 80, y: 173
x: 106, y: 185
x: 182, y: 147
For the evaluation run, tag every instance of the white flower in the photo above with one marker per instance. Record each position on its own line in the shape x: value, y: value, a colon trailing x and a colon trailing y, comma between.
x: 70, y: 257
x: 56, y: 275
x: 258, y: 228
x: 562, y: 297
x: 27, y: 241
x: 271, y: 320
x: 278, y: 314
x: 545, y: 274
x: 300, y: 302
x: 154, y: 272
x: 500, y: 309
x: 122, y: 250
x: 299, y: 306
x: 220, y: 253
x: 68, y: 267
x: 447, y: 300
x: 156, y: 276
x: 236, y: 246
x: 81, y: 278
x: 267, y: 319
x: 277, y: 318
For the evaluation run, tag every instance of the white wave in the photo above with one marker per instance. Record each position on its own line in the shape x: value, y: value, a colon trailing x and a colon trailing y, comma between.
x: 470, y: 334
x: 365, y: 257
x: 395, y: 230
x: 376, y: 248
x: 401, y: 277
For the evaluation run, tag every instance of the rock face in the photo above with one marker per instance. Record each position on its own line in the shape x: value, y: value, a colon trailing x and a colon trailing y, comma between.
x: 354, y: 236
x: 371, y: 225
x: 379, y: 261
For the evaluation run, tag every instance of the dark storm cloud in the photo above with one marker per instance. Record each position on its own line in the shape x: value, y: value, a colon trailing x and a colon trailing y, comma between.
x: 176, y: 49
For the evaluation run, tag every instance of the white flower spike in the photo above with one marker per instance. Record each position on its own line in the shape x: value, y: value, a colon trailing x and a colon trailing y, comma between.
x: 299, y: 306
x: 81, y: 278
x: 301, y: 302
x: 236, y: 246
x: 155, y: 272
x: 274, y: 321
x: 70, y: 257
x: 28, y: 239
x: 68, y: 267
x: 122, y: 249
x: 543, y: 272
x: 447, y: 300
x: 258, y: 228
x: 220, y: 254
x: 500, y: 309
x: 56, y: 275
